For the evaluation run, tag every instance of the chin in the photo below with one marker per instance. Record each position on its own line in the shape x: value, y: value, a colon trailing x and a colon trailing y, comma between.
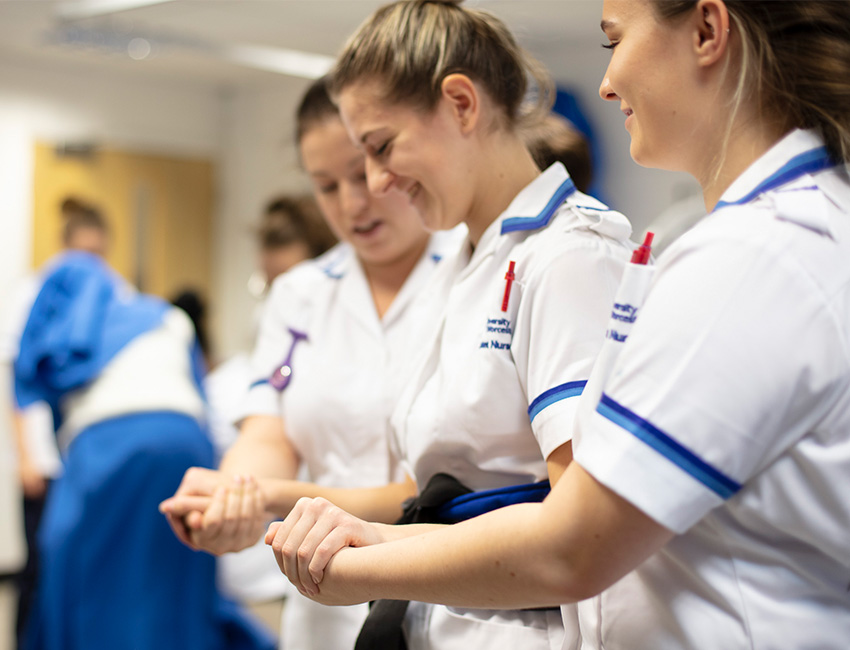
x: 640, y: 157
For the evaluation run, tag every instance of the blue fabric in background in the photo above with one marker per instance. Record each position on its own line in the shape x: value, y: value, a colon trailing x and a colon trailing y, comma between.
x: 83, y: 315
x: 567, y: 105
x: 113, y: 573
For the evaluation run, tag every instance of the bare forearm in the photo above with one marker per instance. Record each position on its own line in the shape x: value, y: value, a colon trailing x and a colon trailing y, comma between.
x: 576, y: 543
x: 261, y: 450
x: 472, y: 564
x: 379, y: 504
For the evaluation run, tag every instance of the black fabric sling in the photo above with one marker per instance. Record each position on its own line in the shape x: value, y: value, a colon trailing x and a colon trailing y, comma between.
x: 444, y: 500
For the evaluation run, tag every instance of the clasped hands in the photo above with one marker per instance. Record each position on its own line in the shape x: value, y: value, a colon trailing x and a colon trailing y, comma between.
x: 217, y: 513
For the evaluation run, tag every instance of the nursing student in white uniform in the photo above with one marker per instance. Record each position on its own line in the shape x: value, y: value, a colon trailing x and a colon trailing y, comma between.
x: 433, y: 93
x: 336, y: 342
x: 711, y: 482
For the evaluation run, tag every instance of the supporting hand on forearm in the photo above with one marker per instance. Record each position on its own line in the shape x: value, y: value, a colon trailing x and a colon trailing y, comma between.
x: 308, y: 538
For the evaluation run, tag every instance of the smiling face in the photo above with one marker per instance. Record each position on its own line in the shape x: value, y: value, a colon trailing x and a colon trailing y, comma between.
x: 383, y: 230
x: 653, y: 77
x: 410, y: 153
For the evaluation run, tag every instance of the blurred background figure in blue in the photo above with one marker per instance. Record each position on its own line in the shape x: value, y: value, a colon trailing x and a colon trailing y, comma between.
x: 121, y: 373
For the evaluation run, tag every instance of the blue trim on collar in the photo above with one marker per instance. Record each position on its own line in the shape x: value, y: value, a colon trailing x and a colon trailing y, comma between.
x: 807, y: 162
x: 556, y: 394
x: 329, y: 271
x: 686, y: 460
x: 513, y: 224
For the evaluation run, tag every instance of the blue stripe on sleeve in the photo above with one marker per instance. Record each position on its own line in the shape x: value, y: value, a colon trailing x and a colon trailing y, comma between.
x: 686, y: 460
x: 556, y: 394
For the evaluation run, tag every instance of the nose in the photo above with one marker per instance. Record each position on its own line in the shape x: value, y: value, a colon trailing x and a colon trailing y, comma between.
x: 354, y: 198
x: 378, y: 177
x: 606, y: 92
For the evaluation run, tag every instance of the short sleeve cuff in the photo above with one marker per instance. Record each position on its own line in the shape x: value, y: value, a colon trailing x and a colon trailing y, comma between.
x: 262, y: 399
x: 553, y: 422
x: 643, y: 476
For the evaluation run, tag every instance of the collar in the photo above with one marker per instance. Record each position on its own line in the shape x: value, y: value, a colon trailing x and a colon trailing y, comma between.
x: 336, y: 262
x: 783, y: 177
x: 536, y: 204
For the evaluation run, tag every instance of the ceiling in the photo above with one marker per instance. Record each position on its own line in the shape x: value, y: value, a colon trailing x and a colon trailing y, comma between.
x: 227, y: 42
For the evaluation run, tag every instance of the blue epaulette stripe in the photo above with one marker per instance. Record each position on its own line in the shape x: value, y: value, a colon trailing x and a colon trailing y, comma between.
x: 259, y: 382
x: 685, y: 459
x: 814, y: 160
x: 513, y: 224
x: 556, y: 394
x: 436, y: 258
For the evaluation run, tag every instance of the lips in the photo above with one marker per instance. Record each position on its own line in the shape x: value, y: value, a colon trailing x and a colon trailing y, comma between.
x: 366, y: 228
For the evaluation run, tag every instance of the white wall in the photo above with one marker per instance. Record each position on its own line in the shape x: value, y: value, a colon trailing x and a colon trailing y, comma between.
x: 82, y: 104
x: 258, y: 161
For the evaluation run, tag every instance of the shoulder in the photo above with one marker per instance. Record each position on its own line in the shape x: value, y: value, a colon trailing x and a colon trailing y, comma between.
x: 583, y: 230
x: 308, y: 277
x: 308, y: 288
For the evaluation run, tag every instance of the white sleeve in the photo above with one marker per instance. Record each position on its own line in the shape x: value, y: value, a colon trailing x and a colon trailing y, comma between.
x: 560, y: 329
x: 726, y: 368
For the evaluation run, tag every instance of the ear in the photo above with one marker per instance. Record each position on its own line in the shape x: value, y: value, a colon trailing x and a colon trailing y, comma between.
x: 711, y: 38
x: 463, y: 100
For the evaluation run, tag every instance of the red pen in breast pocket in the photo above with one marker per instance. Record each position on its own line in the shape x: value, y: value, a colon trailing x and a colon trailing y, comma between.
x: 509, y: 280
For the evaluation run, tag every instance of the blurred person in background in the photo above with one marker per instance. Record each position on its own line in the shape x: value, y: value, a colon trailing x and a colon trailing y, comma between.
x: 554, y: 139
x: 83, y: 228
x: 120, y: 371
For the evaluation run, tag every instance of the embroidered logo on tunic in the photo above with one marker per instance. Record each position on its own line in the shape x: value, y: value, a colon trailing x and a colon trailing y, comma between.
x: 625, y: 313
x: 499, y: 334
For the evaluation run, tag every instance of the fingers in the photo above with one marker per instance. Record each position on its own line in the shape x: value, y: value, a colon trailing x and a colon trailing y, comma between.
x: 200, y: 481
x: 308, y: 538
x: 179, y: 527
x: 183, y: 505
x: 233, y: 520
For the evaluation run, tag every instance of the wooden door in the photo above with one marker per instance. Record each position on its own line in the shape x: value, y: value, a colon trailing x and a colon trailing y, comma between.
x: 159, y: 210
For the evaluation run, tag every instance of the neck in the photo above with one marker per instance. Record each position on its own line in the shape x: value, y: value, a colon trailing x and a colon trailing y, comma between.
x: 506, y: 169
x: 748, y: 141
x: 386, y: 280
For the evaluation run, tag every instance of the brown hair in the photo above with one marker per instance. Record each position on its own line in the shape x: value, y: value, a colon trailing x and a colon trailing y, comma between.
x: 77, y: 215
x: 289, y: 220
x: 315, y: 108
x: 795, y: 62
x: 412, y: 45
x: 554, y: 139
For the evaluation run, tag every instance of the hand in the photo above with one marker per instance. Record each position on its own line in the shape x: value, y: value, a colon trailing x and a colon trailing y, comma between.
x: 184, y: 511
x: 234, y: 519
x: 33, y: 482
x: 311, y: 534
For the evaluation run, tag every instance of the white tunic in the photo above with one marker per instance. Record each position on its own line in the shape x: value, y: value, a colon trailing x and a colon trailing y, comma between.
x: 345, y: 380
x: 494, y: 397
x: 727, y: 420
